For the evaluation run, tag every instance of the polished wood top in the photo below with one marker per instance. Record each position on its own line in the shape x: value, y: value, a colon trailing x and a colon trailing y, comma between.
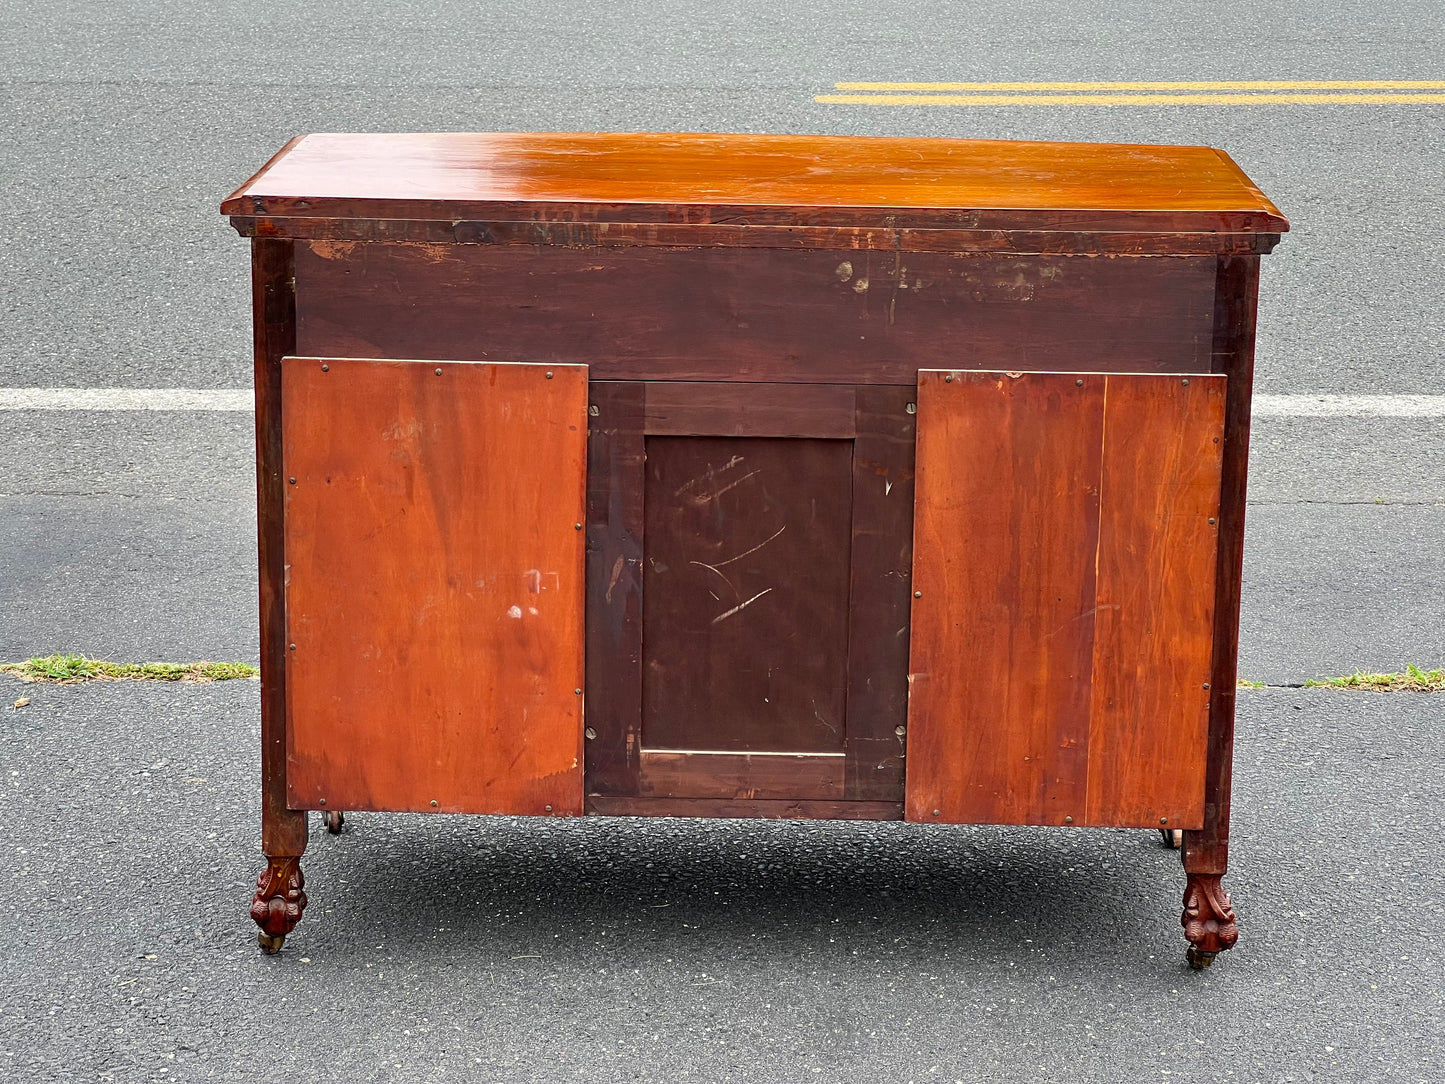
x: 786, y: 180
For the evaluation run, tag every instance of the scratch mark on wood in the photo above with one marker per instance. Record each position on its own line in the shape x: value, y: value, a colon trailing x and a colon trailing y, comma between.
x: 741, y: 606
x: 755, y: 549
x: 711, y: 568
x: 718, y: 493
x: 708, y: 476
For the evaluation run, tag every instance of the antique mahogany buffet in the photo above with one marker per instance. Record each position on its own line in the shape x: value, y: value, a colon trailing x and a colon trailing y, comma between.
x: 752, y: 476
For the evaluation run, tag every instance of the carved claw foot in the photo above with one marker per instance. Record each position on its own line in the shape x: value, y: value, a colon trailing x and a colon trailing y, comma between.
x: 1208, y: 919
x: 334, y: 820
x: 279, y: 902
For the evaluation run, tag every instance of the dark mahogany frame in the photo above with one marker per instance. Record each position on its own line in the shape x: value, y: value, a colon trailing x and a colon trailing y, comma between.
x: 613, y: 524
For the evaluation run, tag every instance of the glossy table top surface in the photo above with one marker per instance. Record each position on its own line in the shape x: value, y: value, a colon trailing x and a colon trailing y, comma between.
x: 656, y: 177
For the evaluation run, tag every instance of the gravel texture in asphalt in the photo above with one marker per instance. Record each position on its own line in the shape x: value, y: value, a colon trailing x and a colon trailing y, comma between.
x: 501, y: 949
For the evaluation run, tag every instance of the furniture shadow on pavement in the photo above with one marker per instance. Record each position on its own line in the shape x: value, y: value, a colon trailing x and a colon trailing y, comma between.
x: 721, y: 891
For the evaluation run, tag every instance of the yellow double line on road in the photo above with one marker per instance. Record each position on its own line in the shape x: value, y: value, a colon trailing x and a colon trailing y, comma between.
x: 1258, y: 92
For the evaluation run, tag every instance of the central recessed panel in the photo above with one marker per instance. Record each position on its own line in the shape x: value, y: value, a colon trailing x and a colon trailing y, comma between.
x: 745, y: 594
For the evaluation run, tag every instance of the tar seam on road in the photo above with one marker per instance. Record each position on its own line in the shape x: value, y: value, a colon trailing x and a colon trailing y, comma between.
x: 1249, y: 92
x: 241, y: 400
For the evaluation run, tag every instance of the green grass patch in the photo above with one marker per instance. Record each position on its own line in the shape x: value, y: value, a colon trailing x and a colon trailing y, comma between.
x: 1413, y: 680
x: 70, y: 669
x: 1245, y: 683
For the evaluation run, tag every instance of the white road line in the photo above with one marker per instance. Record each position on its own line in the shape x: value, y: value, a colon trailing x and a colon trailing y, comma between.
x: 127, y: 399
x: 1349, y: 406
x: 241, y: 399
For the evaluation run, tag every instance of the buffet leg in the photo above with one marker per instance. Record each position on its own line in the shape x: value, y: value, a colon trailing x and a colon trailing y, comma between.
x: 279, y: 901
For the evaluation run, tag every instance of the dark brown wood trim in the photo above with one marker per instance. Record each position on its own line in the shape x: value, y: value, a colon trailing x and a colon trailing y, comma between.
x: 615, y: 456
x: 722, y: 409
x: 614, y: 806
x: 273, y: 286
x: 1236, y: 301
x: 688, y: 773
x: 1080, y: 241
x: 880, y: 599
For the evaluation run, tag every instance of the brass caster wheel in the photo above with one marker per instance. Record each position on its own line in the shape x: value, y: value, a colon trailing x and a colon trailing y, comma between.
x: 270, y: 945
x: 334, y: 820
x: 1173, y: 837
x: 1199, y: 959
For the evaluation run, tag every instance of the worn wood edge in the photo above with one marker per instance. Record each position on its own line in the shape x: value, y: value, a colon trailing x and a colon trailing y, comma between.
x: 283, y: 830
x: 1280, y: 223
x: 231, y: 203
x: 623, y: 234
x: 1236, y: 306
x: 803, y: 809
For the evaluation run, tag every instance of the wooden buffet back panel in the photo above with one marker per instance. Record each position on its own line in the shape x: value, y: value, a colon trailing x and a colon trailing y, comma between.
x: 750, y: 531
x: 434, y: 564
x: 724, y: 314
x: 1065, y: 534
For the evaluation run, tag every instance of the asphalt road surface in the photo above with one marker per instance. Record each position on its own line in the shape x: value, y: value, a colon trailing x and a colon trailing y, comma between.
x: 510, y: 950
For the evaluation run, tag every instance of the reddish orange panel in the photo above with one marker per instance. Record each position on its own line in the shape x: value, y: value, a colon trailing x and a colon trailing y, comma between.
x: 434, y: 585
x: 1006, y: 522
x: 1153, y: 635
x: 1064, y: 564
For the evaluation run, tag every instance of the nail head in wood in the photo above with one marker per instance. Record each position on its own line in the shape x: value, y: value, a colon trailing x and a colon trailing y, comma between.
x: 911, y: 408
x: 438, y: 372
x: 435, y: 804
x: 326, y: 368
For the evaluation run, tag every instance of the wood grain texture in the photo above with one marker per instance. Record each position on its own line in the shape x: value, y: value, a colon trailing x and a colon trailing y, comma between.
x: 615, y: 537
x: 631, y: 806
x: 745, y: 581
x: 720, y: 409
x: 880, y: 575
x: 755, y: 315
x: 690, y: 773
x: 874, y: 544
x: 1005, y: 529
x: 434, y: 594
x: 1236, y: 305
x: 1064, y: 560
x: 273, y: 307
x: 1154, y: 613
x: 596, y: 235
x: 800, y: 180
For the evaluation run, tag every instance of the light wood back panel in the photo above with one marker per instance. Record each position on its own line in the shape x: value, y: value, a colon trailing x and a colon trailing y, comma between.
x: 1064, y: 549
x: 434, y: 591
